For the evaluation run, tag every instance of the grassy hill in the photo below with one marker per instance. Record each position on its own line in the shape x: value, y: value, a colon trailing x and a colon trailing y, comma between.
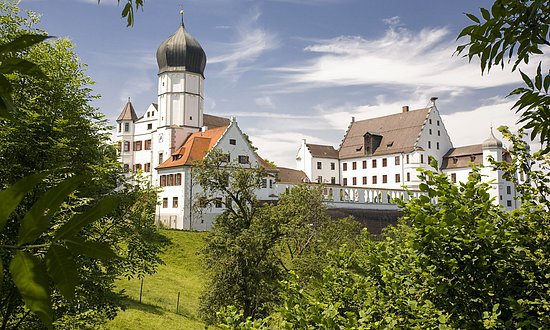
x: 182, y: 273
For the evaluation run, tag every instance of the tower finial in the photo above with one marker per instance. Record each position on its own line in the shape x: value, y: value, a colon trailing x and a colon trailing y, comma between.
x: 181, y: 13
x: 128, y: 99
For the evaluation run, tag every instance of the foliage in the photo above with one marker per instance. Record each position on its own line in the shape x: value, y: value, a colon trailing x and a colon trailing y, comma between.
x: 54, y: 130
x: 128, y: 10
x: 516, y: 30
x: 458, y: 262
x: 253, y: 246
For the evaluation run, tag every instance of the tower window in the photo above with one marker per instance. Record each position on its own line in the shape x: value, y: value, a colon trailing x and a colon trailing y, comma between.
x: 430, y: 131
x: 319, y: 165
x: 126, y: 145
x: 438, y: 133
x: 161, y: 158
x: 126, y: 127
x: 408, y: 176
x: 149, y: 126
x: 437, y: 145
x: 190, y: 117
x: 429, y: 144
x: 119, y: 127
x: 232, y: 141
x: 332, y: 166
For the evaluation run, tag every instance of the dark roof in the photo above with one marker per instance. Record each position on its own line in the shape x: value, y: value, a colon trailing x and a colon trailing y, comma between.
x: 461, y: 157
x: 399, y: 133
x: 212, y: 121
x: 128, y: 113
x: 322, y: 151
x: 181, y: 52
x: 288, y: 175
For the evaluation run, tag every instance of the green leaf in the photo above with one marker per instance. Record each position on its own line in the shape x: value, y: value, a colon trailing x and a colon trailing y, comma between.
x: 485, y: 13
x: 62, y: 269
x: 473, y: 18
x: 12, y: 196
x: 75, y: 224
x: 14, y: 64
x: 96, y: 250
x: 526, y: 79
x: 21, y: 43
x: 38, y: 217
x: 30, y: 277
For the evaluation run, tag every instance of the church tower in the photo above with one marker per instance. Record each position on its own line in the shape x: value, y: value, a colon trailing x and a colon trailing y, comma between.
x: 125, y: 135
x: 181, y: 61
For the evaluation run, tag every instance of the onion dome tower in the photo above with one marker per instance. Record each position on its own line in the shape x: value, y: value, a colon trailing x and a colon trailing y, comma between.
x: 181, y: 62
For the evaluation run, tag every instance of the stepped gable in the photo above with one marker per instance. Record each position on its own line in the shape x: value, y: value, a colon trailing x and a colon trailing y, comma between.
x: 289, y: 175
x: 461, y: 157
x: 322, y: 151
x: 195, y: 148
x: 399, y: 133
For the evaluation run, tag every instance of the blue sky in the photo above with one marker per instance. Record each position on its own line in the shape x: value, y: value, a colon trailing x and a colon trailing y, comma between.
x: 294, y: 69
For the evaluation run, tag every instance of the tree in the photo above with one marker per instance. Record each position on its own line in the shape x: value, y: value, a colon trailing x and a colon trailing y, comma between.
x: 56, y: 133
x: 516, y: 31
x: 459, y: 262
x: 253, y: 246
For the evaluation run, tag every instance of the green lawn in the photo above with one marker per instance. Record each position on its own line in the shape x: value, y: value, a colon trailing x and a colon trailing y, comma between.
x: 182, y: 273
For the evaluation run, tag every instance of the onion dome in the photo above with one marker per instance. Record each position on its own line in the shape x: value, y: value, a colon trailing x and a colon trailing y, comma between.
x: 181, y: 52
x: 492, y: 142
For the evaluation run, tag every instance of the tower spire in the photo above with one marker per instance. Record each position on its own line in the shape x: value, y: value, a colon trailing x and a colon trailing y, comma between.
x: 181, y: 13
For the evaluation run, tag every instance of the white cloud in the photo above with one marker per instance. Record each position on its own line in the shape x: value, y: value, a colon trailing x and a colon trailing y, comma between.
x: 399, y: 58
x: 251, y: 42
x: 392, y: 21
x: 264, y: 102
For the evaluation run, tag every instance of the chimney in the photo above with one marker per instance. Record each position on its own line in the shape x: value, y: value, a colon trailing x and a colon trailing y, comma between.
x: 433, y: 99
x: 352, y: 119
x: 233, y: 119
x: 405, y: 108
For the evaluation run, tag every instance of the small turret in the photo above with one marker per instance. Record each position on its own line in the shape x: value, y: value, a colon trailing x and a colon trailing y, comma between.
x: 492, y: 142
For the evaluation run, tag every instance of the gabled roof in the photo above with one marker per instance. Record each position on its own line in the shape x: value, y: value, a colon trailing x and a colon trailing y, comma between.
x: 212, y: 121
x: 462, y: 157
x: 288, y: 175
x: 399, y: 133
x: 128, y: 113
x: 322, y: 151
x: 195, y: 147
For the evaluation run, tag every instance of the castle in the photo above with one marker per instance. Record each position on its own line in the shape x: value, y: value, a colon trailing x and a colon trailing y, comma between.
x: 380, y: 153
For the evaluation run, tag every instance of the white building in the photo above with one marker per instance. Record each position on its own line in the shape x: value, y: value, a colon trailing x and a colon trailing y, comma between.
x: 378, y: 155
x: 385, y: 153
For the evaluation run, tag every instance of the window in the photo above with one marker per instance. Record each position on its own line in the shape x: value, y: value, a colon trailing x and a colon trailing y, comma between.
x: 345, y: 181
x: 421, y: 159
x: 430, y: 131
x: 364, y: 164
x: 509, y: 203
x: 408, y: 177
x: 137, y: 145
x: 137, y: 167
x: 374, y: 163
x: 163, y: 180
x: 148, y: 114
x: 374, y: 179
x: 218, y: 202
x: 384, y: 178
x: 430, y: 121
x: 270, y: 183
x: 384, y: 162
x: 126, y: 168
x: 319, y: 179
x: 126, y: 145
x: 429, y: 144
x: 119, y: 127
x: 126, y: 127
x: 147, y: 144
x: 333, y: 180
x: 453, y: 177
x: 319, y: 165
x: 438, y: 133
x: 354, y: 180
x: 147, y: 167
x: 354, y: 165
x: 160, y: 157
x: 243, y: 159
x: 437, y: 145
x: 332, y: 166
x: 178, y: 179
x: 397, y: 178
x: 364, y: 180
x: 508, y: 190
x: 264, y: 183
x: 175, y: 202
x: 165, y: 202
x: 152, y: 113
x: 344, y: 166
x: 119, y: 146
x: 438, y: 123
x: 170, y: 180
x: 407, y: 159
x: 149, y: 126
x: 397, y: 160
x: 233, y: 141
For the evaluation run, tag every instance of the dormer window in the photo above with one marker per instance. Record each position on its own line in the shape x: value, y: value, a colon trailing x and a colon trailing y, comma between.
x: 455, y: 160
x: 176, y: 157
x: 472, y: 158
